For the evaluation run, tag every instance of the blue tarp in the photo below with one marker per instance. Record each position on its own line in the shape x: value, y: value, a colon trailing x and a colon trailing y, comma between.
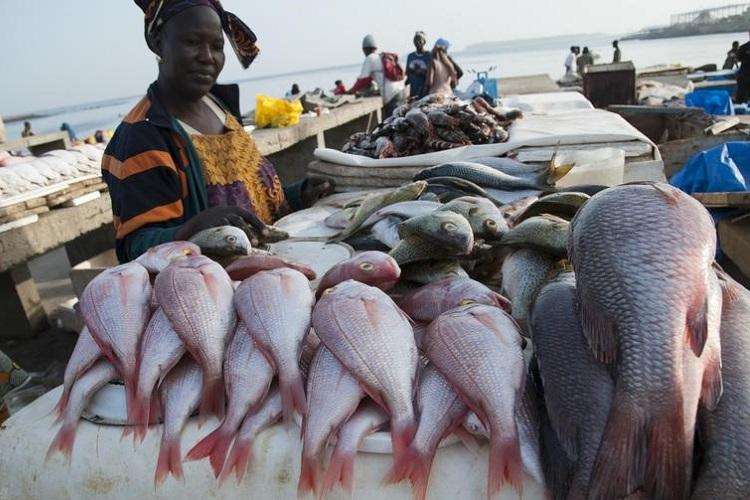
x: 713, y: 102
x: 719, y: 169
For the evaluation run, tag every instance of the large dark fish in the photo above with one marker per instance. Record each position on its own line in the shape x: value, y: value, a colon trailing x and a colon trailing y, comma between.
x: 725, y: 471
x: 578, y: 389
x: 485, y: 176
x: 650, y: 306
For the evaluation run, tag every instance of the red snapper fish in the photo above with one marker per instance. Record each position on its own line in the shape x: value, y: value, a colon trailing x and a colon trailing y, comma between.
x: 85, y: 353
x: 373, y: 339
x: 196, y: 295
x: 478, y: 349
x: 372, y: 268
x: 276, y: 306
x: 157, y: 258
x: 116, y: 309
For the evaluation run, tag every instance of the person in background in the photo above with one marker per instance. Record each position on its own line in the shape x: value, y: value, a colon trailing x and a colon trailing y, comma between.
x: 293, y: 92
x: 743, y: 75
x: 372, y: 70
x: 731, y: 61
x: 26, y: 132
x: 416, y: 66
x: 570, y: 61
x: 442, y: 76
x: 340, y: 88
x: 585, y: 59
x: 65, y: 127
x: 617, y: 56
x: 180, y: 161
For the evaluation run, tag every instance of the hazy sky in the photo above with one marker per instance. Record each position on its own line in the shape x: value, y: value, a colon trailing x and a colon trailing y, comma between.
x: 57, y: 53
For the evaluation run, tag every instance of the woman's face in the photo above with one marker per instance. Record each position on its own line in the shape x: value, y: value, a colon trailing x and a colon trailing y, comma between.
x: 192, y: 52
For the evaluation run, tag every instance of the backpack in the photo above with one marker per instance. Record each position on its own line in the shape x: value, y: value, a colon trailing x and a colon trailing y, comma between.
x: 392, y: 70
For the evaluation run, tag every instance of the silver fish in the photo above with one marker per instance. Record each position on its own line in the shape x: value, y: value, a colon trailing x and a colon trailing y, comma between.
x: 448, y: 229
x: 403, y: 210
x: 263, y: 302
x: 333, y: 395
x: 485, y: 218
x: 564, y: 205
x: 247, y: 378
x: 241, y: 455
x: 85, y: 353
x: 373, y: 339
x: 180, y: 394
x: 485, y: 176
x: 478, y: 349
x: 524, y: 272
x: 222, y: 241
x: 427, y: 272
x: 386, y: 231
x: 441, y: 411
x: 510, y: 166
x: 368, y: 418
x: 160, y: 350
x: 83, y: 390
x: 546, y: 233
x: 642, y: 254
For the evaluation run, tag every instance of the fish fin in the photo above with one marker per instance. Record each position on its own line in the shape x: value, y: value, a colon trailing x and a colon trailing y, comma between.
x: 557, y: 465
x: 467, y: 439
x: 309, y: 476
x: 212, y: 399
x: 239, y: 460
x: 63, y: 441
x: 215, y: 446
x: 340, y: 470
x: 670, y: 455
x: 599, y: 329
x: 402, y: 433
x: 697, y: 325
x: 502, y: 302
x: 62, y: 403
x: 506, y: 466
x: 170, y: 460
x: 416, y: 468
x: 292, y: 390
x: 140, y: 414
x: 712, y: 386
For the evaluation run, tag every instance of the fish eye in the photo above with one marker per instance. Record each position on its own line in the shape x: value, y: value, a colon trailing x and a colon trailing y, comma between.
x: 186, y: 252
x: 450, y: 227
x: 366, y: 266
x: 473, y: 210
x: 231, y: 239
x: 490, y: 223
x: 329, y: 290
x: 466, y: 302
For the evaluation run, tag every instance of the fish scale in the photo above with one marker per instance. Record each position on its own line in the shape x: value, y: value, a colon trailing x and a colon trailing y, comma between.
x: 484, y: 176
x: 523, y: 272
x: 725, y: 471
x: 578, y: 390
x: 373, y: 339
x: 642, y: 255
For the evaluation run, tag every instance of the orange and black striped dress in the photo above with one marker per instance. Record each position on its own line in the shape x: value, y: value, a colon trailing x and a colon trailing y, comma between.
x: 159, y: 175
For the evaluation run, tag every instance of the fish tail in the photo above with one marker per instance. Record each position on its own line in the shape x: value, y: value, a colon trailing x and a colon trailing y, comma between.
x: 415, y: 467
x: 215, y: 446
x: 131, y: 399
x: 212, y: 399
x: 170, y: 460
x: 309, y: 476
x: 670, y: 455
x: 239, y: 460
x: 505, y: 465
x: 62, y: 403
x: 140, y: 413
x: 468, y: 440
x: 619, y: 466
x: 340, y: 470
x: 63, y: 441
x: 402, y: 434
x: 293, y: 399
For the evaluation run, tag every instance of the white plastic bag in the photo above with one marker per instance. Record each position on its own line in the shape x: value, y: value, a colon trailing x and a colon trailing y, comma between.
x: 605, y: 166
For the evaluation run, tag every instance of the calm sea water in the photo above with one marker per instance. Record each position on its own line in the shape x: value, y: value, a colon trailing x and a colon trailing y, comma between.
x: 513, y: 59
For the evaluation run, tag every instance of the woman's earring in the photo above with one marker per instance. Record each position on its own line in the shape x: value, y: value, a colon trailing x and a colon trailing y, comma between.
x: 158, y: 58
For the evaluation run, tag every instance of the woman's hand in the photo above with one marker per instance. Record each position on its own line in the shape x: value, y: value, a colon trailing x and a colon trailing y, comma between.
x: 223, y: 216
x: 315, y: 189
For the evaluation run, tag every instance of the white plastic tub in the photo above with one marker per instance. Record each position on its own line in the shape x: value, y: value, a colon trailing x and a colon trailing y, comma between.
x: 104, y: 467
x: 604, y: 166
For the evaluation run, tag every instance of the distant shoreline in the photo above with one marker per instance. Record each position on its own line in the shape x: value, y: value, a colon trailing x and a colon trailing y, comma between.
x: 686, y: 30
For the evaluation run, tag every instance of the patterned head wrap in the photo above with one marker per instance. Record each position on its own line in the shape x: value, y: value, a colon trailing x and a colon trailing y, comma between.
x: 158, y: 12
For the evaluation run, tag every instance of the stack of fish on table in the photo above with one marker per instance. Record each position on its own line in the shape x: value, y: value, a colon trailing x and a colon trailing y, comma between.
x: 22, y: 174
x: 433, y: 123
x: 585, y: 338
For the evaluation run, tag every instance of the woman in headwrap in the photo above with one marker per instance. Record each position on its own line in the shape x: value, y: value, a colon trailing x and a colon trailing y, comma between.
x: 180, y: 161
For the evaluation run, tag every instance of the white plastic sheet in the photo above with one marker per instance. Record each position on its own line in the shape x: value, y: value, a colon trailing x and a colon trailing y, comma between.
x: 585, y: 126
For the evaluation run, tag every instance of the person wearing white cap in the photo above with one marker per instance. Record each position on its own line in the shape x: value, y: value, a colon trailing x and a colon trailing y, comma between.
x: 391, y: 88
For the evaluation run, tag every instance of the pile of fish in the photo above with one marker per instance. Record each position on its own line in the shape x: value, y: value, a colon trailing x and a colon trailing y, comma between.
x: 19, y: 175
x: 433, y: 123
x: 638, y: 342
